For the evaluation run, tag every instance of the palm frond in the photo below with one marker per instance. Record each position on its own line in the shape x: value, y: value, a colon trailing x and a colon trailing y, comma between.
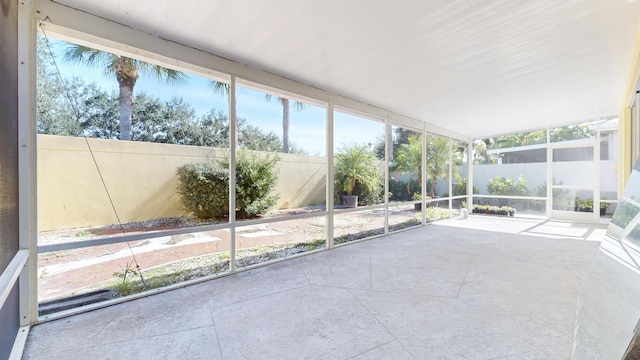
x: 297, y: 105
x: 170, y: 76
x: 219, y: 88
x: 87, y: 56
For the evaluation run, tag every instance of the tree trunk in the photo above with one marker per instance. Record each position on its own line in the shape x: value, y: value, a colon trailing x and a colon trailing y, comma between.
x: 433, y: 186
x: 285, y: 125
x: 126, y: 103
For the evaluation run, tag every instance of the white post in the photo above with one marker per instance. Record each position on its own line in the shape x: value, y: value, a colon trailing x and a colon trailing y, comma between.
x: 549, y: 202
x: 597, y: 175
x: 470, y: 176
x: 423, y: 197
x: 388, y: 135
x: 450, y: 175
x: 232, y: 173
x: 329, y: 180
x: 27, y: 151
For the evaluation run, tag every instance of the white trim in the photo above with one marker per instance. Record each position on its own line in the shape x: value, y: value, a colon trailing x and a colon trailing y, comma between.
x: 509, y: 197
x: 423, y: 186
x: 27, y: 149
x: 388, y: 135
x: 19, y: 343
x: 359, y: 208
x: 125, y: 238
x: 11, y: 274
x: 450, y: 181
x: 163, y: 233
x: 470, y: 164
x: 329, y: 181
x: 232, y: 172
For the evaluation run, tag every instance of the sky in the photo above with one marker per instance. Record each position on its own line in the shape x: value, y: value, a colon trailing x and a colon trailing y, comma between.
x: 307, y: 129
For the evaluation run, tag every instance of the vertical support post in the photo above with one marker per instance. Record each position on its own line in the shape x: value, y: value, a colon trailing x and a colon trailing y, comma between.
x: 423, y: 197
x: 330, y: 174
x: 450, y: 175
x: 387, y: 157
x: 597, y: 175
x: 232, y: 173
x: 27, y: 152
x: 470, y: 176
x: 549, y: 202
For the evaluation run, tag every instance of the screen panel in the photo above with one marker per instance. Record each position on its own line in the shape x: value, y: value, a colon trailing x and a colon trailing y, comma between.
x: 8, y: 133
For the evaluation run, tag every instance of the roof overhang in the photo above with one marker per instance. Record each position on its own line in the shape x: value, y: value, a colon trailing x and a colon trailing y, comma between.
x: 475, y: 69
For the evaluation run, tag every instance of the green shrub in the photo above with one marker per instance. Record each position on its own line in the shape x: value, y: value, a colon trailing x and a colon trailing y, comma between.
x: 507, y: 186
x: 398, y: 190
x: 204, y: 189
x: 256, y: 178
x: 460, y: 188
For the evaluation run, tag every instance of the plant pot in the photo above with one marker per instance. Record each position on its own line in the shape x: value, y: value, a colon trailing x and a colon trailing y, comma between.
x: 417, y: 206
x: 350, y: 201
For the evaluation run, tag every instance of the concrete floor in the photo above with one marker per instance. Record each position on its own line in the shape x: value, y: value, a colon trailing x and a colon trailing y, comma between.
x: 445, y: 291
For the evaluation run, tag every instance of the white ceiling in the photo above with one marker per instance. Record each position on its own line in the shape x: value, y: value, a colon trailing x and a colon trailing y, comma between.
x: 476, y: 67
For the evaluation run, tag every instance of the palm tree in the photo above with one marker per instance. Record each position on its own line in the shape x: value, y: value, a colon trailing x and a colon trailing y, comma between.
x: 409, y: 158
x: 126, y: 71
x: 437, y: 160
x: 285, y: 118
x: 355, y: 164
x: 223, y: 89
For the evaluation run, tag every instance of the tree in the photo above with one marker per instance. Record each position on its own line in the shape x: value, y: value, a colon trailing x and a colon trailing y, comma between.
x: 437, y: 160
x: 355, y: 165
x: 408, y: 158
x: 297, y: 105
x: 223, y: 89
x: 126, y: 71
x: 54, y: 112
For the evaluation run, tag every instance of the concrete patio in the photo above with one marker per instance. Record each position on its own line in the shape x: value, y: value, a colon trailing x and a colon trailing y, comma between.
x: 451, y: 290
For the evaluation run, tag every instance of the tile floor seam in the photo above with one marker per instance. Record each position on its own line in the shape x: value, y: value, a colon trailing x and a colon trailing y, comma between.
x: 366, y: 351
x: 370, y: 272
x: 381, y: 324
x: 517, y: 354
x: 213, y: 321
x: 304, y: 273
x: 109, y: 322
x: 395, y: 292
x: 119, y: 341
x: 214, y: 307
x: 215, y: 331
x: 464, y: 280
x: 156, y: 335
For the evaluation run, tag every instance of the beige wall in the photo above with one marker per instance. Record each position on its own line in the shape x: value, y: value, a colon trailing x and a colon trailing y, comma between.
x: 141, y: 180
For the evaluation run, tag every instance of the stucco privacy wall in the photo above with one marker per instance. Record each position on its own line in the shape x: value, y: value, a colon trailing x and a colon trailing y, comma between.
x: 141, y: 179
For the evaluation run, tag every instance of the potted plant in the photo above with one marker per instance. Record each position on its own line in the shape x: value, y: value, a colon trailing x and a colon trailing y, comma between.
x: 355, y: 164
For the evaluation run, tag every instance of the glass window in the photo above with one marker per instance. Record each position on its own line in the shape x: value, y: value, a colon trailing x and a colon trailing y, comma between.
x: 141, y: 127
x: 438, y: 161
x: 358, y: 161
x: 405, y: 165
x: 281, y: 155
x: 260, y: 243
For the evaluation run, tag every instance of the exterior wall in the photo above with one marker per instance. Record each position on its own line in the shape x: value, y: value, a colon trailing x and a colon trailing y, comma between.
x: 141, y: 180
x: 625, y: 160
x: 536, y: 174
